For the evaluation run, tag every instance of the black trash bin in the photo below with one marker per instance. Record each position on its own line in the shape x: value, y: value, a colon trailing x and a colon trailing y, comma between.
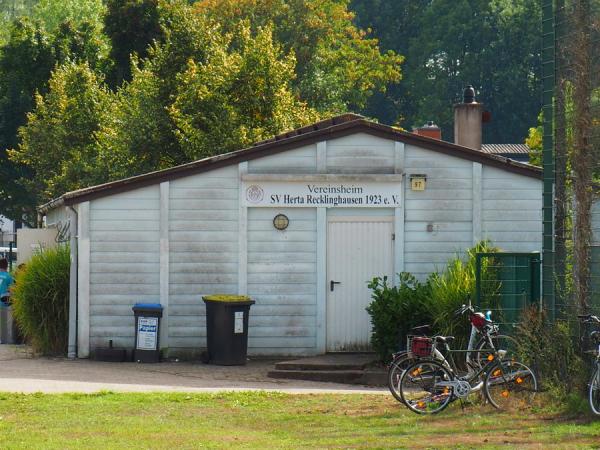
x: 227, y: 329
x: 147, y: 332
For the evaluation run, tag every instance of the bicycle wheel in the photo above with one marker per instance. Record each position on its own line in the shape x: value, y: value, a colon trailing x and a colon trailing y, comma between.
x: 424, y: 387
x: 501, y: 342
x: 594, y: 394
x: 510, y: 385
x: 395, y: 371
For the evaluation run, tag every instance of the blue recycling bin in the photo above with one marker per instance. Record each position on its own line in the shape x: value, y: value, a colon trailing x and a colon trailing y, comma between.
x: 147, y: 332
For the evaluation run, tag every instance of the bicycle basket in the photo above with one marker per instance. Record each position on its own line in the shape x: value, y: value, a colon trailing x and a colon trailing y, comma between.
x: 421, y: 346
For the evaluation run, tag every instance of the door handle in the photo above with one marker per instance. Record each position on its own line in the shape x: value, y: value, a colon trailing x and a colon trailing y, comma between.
x: 333, y: 283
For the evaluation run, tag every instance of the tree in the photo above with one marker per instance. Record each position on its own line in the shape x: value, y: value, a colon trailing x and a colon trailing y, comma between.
x: 199, y: 93
x: 53, y: 13
x: 396, y: 24
x: 58, y: 143
x: 11, y: 10
x: 132, y: 26
x: 25, y: 65
x: 26, y: 62
x: 338, y: 67
x: 534, y: 141
x: 139, y: 134
x: 451, y: 43
x: 83, y: 43
x: 236, y: 98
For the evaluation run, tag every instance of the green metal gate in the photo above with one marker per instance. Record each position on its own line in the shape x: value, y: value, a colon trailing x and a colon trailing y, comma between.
x: 507, y: 283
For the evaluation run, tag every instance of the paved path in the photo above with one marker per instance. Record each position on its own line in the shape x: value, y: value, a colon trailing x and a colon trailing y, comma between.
x: 21, y: 372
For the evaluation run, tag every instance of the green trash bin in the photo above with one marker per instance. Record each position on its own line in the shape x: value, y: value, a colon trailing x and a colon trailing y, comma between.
x: 227, y: 329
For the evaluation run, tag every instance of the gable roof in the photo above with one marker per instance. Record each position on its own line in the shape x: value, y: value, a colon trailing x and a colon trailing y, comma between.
x: 335, y: 127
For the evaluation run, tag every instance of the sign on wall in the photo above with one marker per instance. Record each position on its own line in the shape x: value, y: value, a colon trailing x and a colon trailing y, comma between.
x: 308, y: 194
x: 147, y: 333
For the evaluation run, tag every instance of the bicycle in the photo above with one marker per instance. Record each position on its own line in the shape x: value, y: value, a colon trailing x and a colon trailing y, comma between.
x: 429, y: 385
x: 594, y: 386
x: 476, y: 352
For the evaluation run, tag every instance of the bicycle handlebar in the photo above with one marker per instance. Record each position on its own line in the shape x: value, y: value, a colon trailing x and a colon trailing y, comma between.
x: 463, y: 309
x: 588, y: 318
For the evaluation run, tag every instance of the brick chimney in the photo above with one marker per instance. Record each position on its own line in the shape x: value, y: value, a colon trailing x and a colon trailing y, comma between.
x: 430, y: 130
x: 468, y: 120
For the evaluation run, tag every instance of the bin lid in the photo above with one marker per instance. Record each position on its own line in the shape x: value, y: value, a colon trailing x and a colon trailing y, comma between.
x: 148, y: 306
x: 227, y: 298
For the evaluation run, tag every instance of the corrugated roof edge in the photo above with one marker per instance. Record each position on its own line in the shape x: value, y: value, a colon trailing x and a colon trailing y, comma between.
x: 512, y: 149
x: 332, y: 128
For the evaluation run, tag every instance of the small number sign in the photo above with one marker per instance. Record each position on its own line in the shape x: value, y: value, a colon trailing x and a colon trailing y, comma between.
x: 417, y: 184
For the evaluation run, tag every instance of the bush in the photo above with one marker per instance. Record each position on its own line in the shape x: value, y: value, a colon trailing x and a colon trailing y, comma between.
x: 550, y: 349
x: 40, y: 300
x: 395, y: 310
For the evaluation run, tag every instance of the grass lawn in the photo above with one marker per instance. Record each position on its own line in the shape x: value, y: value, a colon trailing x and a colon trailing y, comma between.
x: 271, y: 420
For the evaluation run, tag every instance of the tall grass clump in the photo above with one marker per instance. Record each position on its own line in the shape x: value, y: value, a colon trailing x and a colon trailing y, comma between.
x: 456, y: 286
x: 40, y: 300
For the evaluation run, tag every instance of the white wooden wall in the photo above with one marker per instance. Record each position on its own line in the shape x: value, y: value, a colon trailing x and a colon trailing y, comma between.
x: 360, y: 153
x: 203, y: 250
x: 281, y: 266
x: 56, y: 216
x: 124, y: 262
x: 512, y: 211
x: 282, y: 279
x: 300, y: 160
x: 175, y: 242
x: 445, y: 205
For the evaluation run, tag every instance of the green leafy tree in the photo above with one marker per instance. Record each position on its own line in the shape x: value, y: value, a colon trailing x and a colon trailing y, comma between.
x: 237, y: 97
x: 199, y: 93
x: 84, y: 43
x: 492, y: 44
x: 11, y: 10
x: 58, y: 143
x: 534, y: 142
x: 397, y: 24
x: 26, y: 62
x: 139, y: 134
x: 132, y: 25
x: 53, y: 13
x: 338, y: 66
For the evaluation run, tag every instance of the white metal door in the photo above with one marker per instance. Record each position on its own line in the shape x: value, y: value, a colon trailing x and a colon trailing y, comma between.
x: 358, y: 249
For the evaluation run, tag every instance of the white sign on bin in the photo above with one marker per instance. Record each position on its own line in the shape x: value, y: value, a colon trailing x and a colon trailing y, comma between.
x: 238, y: 325
x: 147, y: 333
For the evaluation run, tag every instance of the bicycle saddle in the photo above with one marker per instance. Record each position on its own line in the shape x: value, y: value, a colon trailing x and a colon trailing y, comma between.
x: 444, y: 339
